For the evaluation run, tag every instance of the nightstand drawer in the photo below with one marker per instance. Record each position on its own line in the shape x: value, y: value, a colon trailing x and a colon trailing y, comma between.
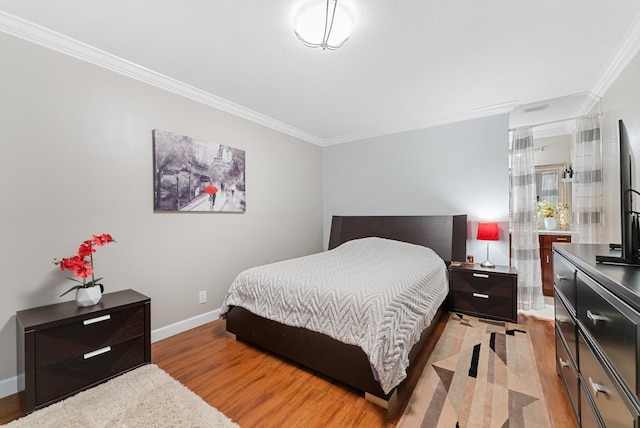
x: 83, y: 336
x: 61, y: 378
x: 482, y: 304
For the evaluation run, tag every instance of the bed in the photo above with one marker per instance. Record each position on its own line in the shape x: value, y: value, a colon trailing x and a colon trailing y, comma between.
x: 445, y: 236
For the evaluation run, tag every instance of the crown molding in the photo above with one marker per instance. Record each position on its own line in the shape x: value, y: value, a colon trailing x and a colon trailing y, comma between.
x: 622, y: 56
x: 42, y: 36
x: 424, y: 123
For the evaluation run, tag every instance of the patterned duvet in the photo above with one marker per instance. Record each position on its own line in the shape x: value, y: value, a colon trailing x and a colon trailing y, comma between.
x: 374, y: 293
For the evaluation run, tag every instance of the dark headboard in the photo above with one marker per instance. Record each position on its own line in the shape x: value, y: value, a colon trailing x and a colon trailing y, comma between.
x: 444, y: 234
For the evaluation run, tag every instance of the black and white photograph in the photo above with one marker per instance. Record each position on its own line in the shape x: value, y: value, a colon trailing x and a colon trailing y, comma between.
x: 198, y: 176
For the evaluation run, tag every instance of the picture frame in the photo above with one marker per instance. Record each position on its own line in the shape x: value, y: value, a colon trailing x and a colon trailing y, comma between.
x: 191, y: 175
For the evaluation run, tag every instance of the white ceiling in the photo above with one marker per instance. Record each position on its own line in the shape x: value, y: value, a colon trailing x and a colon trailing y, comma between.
x: 408, y: 63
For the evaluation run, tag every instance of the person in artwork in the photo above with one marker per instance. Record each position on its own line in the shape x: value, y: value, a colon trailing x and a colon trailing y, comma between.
x: 212, y: 199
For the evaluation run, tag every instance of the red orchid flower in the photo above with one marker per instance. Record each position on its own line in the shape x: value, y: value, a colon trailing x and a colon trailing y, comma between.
x: 80, y: 265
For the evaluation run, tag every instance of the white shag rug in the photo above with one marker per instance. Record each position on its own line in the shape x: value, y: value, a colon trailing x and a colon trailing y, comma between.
x: 144, y: 397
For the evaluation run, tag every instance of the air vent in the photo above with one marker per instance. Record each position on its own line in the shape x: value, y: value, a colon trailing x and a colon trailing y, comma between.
x: 535, y: 108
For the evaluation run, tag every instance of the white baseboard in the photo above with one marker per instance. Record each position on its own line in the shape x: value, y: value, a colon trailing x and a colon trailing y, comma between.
x: 10, y: 386
x: 184, y: 325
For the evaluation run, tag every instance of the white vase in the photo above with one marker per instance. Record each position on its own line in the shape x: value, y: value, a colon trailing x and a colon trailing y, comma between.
x: 88, y: 296
x: 550, y: 223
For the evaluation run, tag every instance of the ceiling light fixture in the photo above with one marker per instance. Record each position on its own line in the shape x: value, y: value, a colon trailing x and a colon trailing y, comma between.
x: 323, y: 25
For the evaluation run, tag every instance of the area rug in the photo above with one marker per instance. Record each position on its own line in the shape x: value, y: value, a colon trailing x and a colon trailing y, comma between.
x: 481, y: 373
x: 144, y: 397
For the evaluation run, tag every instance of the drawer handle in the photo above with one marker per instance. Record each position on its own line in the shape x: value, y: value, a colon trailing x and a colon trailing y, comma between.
x: 484, y: 296
x: 563, y: 363
x: 595, y: 317
x: 97, y: 319
x: 547, y: 259
x: 481, y: 275
x: 97, y: 352
x: 561, y: 277
x: 562, y: 239
x: 597, y: 387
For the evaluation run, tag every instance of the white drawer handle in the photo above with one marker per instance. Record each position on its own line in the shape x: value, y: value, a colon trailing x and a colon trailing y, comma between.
x: 561, y: 277
x: 563, y: 363
x: 97, y: 319
x: 595, y: 317
x: 484, y: 296
x: 97, y: 352
x: 481, y: 275
x: 597, y: 387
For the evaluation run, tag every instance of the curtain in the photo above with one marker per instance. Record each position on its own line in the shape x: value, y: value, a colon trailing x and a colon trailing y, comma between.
x: 586, y: 159
x: 550, y: 187
x: 525, y: 248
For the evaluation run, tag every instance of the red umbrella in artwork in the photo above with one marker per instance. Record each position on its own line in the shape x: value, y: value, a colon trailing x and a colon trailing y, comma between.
x: 212, y: 190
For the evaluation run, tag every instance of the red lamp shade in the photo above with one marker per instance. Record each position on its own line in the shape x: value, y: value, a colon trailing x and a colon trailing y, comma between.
x: 488, y: 231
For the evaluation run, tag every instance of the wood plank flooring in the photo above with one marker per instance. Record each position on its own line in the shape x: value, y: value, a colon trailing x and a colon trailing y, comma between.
x: 255, y: 388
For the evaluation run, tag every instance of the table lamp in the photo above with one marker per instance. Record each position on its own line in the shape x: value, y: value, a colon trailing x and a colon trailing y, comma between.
x: 488, y: 232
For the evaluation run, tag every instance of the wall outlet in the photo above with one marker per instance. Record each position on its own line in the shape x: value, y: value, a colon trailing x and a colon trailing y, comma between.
x: 203, y: 297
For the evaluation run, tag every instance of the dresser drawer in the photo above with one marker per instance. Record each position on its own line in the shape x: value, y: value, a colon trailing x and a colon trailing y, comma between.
x: 613, y: 325
x: 61, y: 378
x: 548, y: 240
x: 564, y: 274
x: 610, y: 402
x: 567, y: 326
x: 86, y: 335
x: 567, y: 371
x: 588, y: 415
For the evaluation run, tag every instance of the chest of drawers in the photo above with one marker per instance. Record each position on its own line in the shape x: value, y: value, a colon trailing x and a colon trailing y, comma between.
x: 63, y: 349
x: 598, y: 336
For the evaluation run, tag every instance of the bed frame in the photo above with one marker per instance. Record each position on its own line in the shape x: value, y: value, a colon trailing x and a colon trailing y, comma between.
x: 446, y: 235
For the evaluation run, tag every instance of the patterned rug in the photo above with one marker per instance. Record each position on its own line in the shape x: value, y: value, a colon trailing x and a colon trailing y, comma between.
x: 482, y: 373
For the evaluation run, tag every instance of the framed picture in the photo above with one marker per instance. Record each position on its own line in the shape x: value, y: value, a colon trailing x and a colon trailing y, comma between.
x: 470, y: 259
x: 190, y: 175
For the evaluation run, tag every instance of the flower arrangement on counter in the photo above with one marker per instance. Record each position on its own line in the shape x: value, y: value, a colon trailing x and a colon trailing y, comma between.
x: 548, y: 210
x: 82, y: 263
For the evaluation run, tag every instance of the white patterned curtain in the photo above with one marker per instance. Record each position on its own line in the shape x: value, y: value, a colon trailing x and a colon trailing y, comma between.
x: 586, y: 158
x: 525, y: 248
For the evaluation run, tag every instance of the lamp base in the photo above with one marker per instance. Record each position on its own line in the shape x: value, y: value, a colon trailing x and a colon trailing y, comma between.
x: 487, y: 264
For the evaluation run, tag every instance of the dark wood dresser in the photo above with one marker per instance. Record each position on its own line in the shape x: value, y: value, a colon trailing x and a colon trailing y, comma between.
x: 484, y: 292
x: 64, y: 349
x: 597, y: 311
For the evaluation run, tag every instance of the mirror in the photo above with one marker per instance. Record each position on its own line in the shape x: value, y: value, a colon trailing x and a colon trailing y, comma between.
x: 552, y: 185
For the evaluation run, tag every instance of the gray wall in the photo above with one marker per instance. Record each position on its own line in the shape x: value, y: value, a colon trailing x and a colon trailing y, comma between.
x: 459, y: 168
x: 620, y: 101
x: 76, y: 160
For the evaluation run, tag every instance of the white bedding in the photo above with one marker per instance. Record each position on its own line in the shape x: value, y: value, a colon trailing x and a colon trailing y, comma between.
x: 374, y: 293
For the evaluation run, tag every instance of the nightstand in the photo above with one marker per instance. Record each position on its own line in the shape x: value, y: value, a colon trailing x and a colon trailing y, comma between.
x: 64, y: 349
x: 484, y: 292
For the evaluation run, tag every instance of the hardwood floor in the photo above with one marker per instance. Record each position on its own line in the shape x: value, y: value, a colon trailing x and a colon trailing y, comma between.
x: 255, y: 388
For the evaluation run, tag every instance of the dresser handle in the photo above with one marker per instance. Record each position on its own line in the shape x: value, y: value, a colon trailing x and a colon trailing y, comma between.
x: 547, y: 259
x: 563, y: 363
x: 560, y: 277
x: 597, y: 387
x: 484, y: 296
x: 97, y: 352
x: 481, y: 275
x: 96, y: 319
x: 562, y: 239
x: 595, y: 317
